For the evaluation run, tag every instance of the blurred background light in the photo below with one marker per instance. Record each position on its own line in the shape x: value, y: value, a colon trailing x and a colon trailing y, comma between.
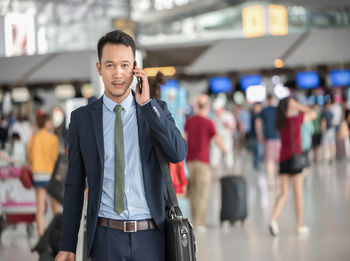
x: 64, y: 91
x: 307, y: 80
x: 167, y: 71
x: 281, y: 91
x: 250, y: 80
x: 20, y: 94
x: 256, y: 93
x: 278, y: 63
x: 220, y: 84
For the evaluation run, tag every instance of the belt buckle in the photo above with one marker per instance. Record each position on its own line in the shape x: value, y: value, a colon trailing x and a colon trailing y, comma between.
x: 130, y: 222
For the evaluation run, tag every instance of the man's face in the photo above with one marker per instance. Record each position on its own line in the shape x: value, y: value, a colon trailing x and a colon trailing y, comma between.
x: 116, y: 70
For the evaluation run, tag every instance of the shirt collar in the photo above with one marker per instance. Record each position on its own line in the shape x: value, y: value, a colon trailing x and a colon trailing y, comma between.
x: 126, y: 103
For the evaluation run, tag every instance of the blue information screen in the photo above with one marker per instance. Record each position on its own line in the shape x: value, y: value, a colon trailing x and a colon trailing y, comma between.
x: 220, y: 84
x: 250, y: 80
x: 340, y: 77
x: 172, y: 83
x: 308, y: 80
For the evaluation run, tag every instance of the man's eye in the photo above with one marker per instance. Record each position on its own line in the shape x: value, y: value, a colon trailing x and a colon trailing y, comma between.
x: 109, y: 65
x: 125, y: 65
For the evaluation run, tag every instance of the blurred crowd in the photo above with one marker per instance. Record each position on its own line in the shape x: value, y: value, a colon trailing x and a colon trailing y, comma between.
x: 218, y: 133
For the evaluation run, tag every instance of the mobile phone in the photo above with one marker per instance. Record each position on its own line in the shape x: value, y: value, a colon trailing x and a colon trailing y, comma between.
x: 139, y: 81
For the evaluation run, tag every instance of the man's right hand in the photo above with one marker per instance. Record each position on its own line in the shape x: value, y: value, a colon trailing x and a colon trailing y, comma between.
x: 65, y: 256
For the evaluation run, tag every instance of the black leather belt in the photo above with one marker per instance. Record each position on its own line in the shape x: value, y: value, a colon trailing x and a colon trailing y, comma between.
x: 127, y: 226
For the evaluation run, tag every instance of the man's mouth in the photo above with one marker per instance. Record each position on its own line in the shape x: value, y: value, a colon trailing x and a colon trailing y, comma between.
x: 118, y: 84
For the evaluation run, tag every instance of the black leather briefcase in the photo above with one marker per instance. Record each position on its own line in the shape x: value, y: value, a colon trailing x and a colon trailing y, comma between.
x: 180, y: 241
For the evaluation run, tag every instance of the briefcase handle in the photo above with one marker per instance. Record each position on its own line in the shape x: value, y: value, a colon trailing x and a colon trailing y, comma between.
x: 172, y: 203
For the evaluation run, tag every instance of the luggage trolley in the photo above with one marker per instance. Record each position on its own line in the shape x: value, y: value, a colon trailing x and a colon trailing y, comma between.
x: 17, y: 203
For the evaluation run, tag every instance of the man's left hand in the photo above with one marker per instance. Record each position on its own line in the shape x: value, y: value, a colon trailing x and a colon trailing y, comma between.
x: 144, y: 97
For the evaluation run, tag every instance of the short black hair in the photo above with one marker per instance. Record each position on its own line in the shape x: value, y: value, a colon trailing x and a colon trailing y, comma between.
x: 15, y: 136
x: 115, y: 37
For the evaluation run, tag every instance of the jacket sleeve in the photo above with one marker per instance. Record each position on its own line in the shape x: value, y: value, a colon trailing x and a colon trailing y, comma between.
x: 74, y: 191
x: 163, y: 126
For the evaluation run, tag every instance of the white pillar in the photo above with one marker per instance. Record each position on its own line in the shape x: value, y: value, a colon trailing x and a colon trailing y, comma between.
x: 95, y: 78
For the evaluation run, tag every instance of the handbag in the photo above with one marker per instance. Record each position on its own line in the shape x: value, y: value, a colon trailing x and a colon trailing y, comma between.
x: 58, y: 178
x: 26, y: 177
x: 298, y: 161
x: 180, y: 243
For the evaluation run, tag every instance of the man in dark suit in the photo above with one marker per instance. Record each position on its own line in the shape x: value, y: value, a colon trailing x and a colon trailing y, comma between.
x: 110, y: 144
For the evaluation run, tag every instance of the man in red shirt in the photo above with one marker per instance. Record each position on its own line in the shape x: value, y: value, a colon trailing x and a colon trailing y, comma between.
x: 199, y: 131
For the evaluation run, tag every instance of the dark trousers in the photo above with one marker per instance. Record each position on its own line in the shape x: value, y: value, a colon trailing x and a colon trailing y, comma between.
x: 115, y: 245
x: 258, y: 153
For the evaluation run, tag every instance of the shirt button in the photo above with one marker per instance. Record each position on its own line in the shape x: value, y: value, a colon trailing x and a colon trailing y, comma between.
x: 130, y: 208
x: 127, y: 191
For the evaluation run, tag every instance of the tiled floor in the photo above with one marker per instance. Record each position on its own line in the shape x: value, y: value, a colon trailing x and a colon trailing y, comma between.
x: 327, y: 213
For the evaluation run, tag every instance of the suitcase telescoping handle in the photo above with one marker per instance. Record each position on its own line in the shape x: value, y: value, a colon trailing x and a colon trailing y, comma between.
x: 172, y: 203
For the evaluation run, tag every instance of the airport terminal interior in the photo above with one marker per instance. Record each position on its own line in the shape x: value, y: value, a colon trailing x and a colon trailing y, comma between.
x: 242, y: 59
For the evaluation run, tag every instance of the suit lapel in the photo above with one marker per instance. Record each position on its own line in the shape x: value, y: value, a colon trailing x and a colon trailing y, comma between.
x: 97, y: 122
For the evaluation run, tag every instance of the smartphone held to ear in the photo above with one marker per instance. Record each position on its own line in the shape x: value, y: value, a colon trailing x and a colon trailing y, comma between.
x: 139, y: 81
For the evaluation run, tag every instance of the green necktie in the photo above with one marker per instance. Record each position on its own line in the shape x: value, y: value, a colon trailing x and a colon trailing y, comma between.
x: 119, y: 204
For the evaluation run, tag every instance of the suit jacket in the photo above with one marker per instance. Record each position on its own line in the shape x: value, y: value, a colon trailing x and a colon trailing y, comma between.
x: 86, y: 160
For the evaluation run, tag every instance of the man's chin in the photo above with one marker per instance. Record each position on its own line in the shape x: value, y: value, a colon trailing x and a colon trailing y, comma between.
x: 119, y: 94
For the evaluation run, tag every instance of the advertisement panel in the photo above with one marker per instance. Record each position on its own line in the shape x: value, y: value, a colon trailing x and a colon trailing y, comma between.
x: 19, y: 34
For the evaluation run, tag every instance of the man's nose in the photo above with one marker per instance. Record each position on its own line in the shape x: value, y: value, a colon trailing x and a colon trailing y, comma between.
x: 117, y: 72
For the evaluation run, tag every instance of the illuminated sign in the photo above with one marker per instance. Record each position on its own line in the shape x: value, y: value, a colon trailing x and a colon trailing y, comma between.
x: 249, y: 80
x: 253, y: 21
x: 278, y: 20
x: 167, y: 71
x: 172, y: 83
x: 340, y: 77
x: 307, y: 80
x: 220, y: 84
x: 19, y: 34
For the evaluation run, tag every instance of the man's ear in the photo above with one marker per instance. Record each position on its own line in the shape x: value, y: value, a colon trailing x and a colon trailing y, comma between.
x: 98, y: 66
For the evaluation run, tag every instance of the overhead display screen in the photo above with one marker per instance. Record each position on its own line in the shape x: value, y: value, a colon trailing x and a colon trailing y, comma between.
x: 340, y: 77
x: 250, y: 80
x: 220, y: 84
x: 172, y: 83
x: 307, y: 80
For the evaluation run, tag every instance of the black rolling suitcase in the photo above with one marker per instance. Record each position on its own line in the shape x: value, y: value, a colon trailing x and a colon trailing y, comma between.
x: 48, y: 245
x: 233, y: 199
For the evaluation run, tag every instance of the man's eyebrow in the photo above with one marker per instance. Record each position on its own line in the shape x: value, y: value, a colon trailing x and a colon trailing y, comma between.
x: 124, y: 61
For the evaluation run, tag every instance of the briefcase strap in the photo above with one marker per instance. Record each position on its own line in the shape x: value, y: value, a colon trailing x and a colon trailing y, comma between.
x: 172, y: 202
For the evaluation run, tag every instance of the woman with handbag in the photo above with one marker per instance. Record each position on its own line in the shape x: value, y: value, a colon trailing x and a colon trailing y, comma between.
x: 43, y: 149
x: 290, y: 115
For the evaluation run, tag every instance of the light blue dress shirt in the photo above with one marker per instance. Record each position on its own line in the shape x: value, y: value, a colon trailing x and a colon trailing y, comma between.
x: 136, y: 207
